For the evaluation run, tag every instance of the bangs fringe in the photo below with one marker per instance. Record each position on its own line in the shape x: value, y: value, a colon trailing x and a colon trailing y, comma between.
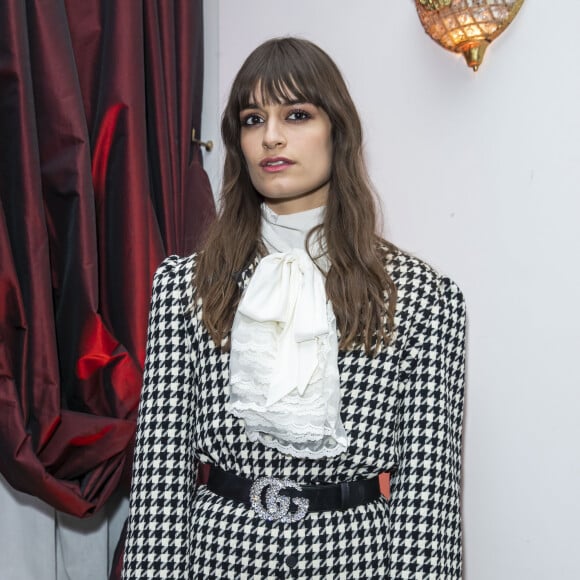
x: 279, y: 78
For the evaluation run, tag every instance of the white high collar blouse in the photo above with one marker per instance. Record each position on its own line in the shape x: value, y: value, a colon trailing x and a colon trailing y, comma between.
x: 284, y: 380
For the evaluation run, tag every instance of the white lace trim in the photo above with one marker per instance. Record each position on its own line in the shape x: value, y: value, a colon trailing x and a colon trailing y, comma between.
x: 284, y: 380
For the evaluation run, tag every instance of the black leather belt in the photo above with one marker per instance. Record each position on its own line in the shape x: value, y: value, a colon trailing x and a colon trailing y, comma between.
x: 271, y: 498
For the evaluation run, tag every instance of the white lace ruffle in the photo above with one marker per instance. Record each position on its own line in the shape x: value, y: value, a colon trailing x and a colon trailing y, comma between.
x: 284, y: 380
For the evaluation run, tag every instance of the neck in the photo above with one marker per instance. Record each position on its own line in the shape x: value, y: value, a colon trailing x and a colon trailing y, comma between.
x: 303, y: 202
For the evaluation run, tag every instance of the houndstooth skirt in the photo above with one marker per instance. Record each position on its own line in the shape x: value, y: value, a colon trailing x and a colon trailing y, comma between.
x: 402, y: 410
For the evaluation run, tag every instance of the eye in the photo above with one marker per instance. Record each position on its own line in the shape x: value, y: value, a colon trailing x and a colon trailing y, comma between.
x: 299, y: 115
x: 251, y: 119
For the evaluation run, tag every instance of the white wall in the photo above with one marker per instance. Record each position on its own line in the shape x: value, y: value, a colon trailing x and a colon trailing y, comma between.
x: 479, y: 175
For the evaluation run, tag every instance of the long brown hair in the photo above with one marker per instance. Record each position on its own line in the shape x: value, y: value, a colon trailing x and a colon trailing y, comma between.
x: 362, y: 293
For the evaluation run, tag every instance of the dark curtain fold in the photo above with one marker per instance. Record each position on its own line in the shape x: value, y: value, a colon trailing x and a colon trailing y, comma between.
x: 99, y: 181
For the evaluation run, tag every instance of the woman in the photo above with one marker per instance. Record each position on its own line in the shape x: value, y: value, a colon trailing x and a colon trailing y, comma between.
x: 299, y: 355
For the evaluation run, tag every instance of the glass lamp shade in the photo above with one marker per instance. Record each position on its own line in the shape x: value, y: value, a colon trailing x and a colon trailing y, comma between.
x: 466, y: 26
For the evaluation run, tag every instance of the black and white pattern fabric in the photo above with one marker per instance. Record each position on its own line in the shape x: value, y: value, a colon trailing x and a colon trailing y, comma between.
x: 402, y: 410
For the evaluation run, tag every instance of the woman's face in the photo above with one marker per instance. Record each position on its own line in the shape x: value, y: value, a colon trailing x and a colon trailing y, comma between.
x: 288, y: 152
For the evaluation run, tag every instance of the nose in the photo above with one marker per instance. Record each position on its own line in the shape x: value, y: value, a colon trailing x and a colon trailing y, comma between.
x: 273, y: 135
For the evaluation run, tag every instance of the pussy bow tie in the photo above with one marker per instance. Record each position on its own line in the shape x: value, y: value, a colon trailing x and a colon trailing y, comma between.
x: 287, y: 290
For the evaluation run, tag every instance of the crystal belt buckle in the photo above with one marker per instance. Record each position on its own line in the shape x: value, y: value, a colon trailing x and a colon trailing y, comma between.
x: 277, y: 507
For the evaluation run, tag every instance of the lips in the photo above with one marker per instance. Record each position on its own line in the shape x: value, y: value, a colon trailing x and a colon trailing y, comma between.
x: 273, y: 164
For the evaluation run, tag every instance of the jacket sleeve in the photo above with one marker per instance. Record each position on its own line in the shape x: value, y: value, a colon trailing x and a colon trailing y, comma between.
x: 425, y: 487
x: 157, y: 544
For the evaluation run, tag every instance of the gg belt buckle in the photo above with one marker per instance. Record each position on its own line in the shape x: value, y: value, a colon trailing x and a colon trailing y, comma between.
x: 277, y: 507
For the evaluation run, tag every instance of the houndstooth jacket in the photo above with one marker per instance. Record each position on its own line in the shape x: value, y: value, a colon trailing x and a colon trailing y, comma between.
x: 402, y: 410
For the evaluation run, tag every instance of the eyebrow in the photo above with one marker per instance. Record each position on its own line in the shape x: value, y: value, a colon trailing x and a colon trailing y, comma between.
x: 285, y: 103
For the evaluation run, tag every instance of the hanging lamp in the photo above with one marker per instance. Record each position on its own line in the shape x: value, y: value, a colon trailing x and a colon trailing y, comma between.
x: 466, y: 26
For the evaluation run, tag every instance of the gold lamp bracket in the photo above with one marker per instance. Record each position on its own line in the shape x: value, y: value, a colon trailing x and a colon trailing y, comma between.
x: 434, y: 4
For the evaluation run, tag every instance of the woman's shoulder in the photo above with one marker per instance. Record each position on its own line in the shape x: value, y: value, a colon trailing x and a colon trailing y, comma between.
x: 413, y: 275
x: 175, y: 265
x: 175, y: 274
x: 423, y: 294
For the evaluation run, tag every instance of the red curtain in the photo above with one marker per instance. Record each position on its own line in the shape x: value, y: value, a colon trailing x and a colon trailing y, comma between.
x: 99, y: 181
